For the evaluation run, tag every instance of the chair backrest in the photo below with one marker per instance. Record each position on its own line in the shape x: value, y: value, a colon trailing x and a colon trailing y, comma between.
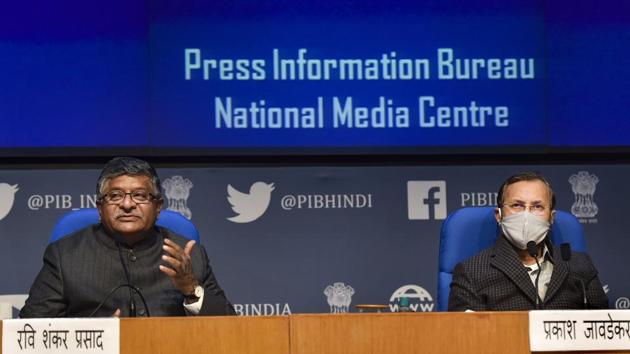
x: 78, y: 219
x: 467, y: 231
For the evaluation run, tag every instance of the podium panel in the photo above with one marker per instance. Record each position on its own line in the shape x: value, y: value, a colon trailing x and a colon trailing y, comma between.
x: 387, y: 333
x: 500, y: 333
x: 217, y: 335
x: 413, y: 333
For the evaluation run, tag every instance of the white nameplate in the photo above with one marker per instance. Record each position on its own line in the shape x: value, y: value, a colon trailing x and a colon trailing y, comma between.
x: 61, y: 335
x: 579, y: 330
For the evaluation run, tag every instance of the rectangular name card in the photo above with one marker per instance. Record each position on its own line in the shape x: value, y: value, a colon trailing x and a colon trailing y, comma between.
x: 61, y: 335
x: 579, y: 330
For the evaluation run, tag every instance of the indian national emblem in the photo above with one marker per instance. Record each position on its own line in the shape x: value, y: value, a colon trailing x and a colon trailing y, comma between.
x: 583, y: 185
x: 339, y: 297
x: 177, y: 191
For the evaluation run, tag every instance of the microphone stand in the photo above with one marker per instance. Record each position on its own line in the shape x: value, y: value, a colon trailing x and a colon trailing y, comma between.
x: 532, y: 250
x: 132, y: 302
x: 565, y: 251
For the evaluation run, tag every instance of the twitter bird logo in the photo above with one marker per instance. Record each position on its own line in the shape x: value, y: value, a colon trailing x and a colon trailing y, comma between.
x: 7, y: 196
x: 249, y: 207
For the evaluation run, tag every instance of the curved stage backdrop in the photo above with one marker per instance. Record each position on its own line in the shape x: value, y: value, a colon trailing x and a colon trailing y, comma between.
x: 367, y: 234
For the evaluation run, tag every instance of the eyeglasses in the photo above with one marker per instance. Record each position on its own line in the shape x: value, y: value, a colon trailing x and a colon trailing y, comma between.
x: 536, y: 209
x: 116, y: 197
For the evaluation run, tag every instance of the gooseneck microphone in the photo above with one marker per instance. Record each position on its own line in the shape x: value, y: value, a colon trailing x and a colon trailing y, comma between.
x: 111, y: 292
x: 131, y: 287
x: 565, y: 252
x: 531, y: 249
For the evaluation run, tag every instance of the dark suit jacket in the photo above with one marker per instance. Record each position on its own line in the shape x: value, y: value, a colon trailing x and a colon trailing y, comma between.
x: 81, y: 269
x: 496, y: 280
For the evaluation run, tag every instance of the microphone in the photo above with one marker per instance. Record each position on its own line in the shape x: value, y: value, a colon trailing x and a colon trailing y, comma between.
x: 132, y: 301
x: 531, y: 249
x: 111, y: 292
x: 565, y: 251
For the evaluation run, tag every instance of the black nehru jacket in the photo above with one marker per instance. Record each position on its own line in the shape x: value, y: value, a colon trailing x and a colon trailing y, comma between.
x: 81, y: 269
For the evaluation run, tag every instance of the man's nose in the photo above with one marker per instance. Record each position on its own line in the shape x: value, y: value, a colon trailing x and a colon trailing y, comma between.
x: 127, y: 202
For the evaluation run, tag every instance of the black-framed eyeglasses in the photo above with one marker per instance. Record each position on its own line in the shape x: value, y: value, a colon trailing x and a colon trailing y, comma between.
x: 118, y: 196
x: 536, y: 209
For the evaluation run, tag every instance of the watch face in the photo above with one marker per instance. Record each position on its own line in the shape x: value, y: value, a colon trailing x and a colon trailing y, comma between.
x: 198, y: 291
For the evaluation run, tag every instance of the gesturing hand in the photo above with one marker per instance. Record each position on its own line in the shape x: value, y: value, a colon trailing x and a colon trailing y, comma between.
x: 179, y: 267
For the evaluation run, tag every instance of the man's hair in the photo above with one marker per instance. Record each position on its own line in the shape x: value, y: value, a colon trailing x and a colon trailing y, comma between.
x: 525, y: 176
x: 121, y: 166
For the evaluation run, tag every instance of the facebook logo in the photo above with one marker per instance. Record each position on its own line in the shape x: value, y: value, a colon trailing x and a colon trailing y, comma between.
x: 426, y: 200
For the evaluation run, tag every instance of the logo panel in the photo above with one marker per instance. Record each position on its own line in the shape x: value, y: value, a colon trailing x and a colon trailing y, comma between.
x: 177, y: 191
x: 7, y: 197
x: 419, y: 299
x: 265, y: 309
x: 249, y: 206
x: 622, y: 303
x: 339, y: 297
x: 583, y: 185
x: 426, y: 200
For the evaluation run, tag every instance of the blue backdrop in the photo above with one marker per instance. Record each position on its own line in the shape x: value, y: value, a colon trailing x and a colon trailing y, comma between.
x: 324, y: 225
x: 224, y: 76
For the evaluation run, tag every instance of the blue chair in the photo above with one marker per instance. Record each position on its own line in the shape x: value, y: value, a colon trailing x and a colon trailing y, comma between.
x: 78, y: 219
x: 469, y: 230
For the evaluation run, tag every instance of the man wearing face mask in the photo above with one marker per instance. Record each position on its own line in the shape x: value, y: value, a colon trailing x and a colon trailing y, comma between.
x: 503, y: 277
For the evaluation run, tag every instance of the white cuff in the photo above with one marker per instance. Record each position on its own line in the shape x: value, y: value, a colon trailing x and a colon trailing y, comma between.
x: 194, y: 308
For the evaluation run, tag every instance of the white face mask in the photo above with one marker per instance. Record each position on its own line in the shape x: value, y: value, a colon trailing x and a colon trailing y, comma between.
x: 522, y: 227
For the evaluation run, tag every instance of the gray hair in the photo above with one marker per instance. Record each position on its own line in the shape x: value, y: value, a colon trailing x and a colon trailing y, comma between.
x: 120, y: 166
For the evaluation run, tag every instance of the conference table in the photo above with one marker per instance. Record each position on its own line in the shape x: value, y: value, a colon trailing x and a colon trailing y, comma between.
x: 360, y: 333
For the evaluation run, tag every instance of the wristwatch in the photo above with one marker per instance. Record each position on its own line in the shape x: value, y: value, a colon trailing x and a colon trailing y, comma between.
x: 195, y: 295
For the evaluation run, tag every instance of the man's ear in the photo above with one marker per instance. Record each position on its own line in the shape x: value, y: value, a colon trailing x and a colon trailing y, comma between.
x: 497, y: 214
x: 160, y: 204
x: 553, y: 217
